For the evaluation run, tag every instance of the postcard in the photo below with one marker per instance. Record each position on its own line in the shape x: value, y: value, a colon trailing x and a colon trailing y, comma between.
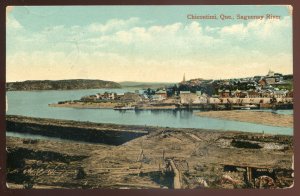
x: 149, y: 97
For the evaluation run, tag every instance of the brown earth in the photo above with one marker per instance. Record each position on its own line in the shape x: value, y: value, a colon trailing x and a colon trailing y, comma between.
x: 266, y: 118
x: 198, y: 155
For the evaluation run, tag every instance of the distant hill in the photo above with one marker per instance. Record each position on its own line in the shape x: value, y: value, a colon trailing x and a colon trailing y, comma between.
x: 30, y: 85
x: 144, y: 85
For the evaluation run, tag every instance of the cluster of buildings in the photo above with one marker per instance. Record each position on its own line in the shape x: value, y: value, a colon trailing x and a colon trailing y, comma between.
x: 252, y: 90
x: 137, y: 96
x: 258, y: 86
x: 112, y: 96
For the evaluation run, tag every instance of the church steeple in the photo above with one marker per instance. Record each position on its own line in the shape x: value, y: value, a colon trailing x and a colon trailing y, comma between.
x: 271, y: 73
x: 183, y: 80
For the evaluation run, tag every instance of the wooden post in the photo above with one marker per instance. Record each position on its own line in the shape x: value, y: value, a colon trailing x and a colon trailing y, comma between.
x: 249, y: 174
x: 141, y: 156
x: 177, y: 181
x: 159, y: 167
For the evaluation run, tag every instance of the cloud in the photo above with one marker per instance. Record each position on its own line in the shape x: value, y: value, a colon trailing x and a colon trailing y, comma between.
x: 236, y: 30
x: 258, y: 28
x: 118, y: 67
x: 113, y: 24
x: 129, y: 47
x: 116, y: 35
x: 12, y: 23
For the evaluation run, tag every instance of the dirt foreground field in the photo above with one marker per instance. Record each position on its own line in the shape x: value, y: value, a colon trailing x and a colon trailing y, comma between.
x: 266, y: 118
x: 165, y: 158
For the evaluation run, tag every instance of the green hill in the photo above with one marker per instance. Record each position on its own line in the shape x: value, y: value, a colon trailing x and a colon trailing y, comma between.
x: 30, y: 85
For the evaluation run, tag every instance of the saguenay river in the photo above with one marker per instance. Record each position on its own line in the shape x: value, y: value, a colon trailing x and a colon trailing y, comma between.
x: 35, y: 104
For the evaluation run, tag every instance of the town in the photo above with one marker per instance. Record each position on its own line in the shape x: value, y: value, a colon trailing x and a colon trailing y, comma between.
x: 273, y: 90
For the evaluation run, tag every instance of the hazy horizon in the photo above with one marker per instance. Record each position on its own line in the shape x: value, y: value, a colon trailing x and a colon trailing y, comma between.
x: 187, y: 79
x: 130, y: 43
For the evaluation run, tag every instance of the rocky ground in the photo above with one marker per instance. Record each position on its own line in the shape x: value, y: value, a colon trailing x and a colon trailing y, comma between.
x: 203, y: 159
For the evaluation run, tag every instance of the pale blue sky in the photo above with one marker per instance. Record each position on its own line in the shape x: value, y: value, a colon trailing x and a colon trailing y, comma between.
x: 145, y: 43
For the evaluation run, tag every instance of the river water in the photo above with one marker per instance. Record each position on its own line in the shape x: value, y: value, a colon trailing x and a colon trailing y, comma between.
x: 35, y: 104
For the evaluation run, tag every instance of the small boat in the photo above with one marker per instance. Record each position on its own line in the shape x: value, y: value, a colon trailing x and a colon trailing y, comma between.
x: 124, y: 108
x: 245, y: 108
x: 248, y: 107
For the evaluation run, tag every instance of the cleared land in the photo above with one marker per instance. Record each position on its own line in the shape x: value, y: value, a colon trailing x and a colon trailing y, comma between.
x: 266, y: 118
x: 164, y: 158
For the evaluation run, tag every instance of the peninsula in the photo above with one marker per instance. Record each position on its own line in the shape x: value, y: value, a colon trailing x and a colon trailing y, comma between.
x: 272, y: 91
x: 72, y: 84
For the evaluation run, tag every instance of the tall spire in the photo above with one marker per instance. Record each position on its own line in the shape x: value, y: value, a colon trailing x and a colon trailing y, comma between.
x: 183, y: 80
x: 271, y: 73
